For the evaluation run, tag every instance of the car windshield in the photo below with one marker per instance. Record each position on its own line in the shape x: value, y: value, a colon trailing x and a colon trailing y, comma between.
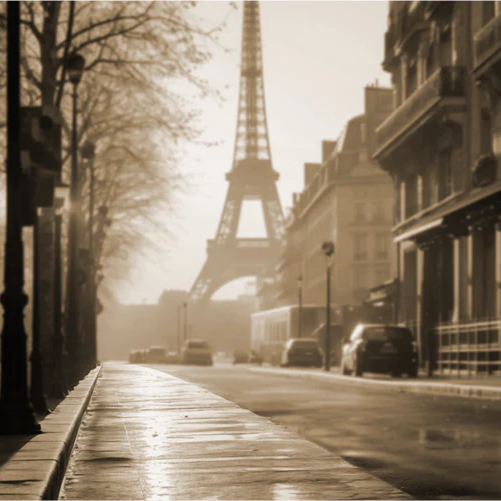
x: 305, y: 344
x: 197, y: 344
x: 387, y: 334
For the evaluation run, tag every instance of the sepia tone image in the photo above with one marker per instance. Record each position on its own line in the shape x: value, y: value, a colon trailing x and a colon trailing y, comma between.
x: 251, y: 250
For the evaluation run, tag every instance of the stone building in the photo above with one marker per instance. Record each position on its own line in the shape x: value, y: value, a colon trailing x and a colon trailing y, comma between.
x: 348, y: 199
x: 441, y: 145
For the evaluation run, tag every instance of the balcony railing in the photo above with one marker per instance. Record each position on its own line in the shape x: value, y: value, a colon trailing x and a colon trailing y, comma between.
x: 445, y: 82
x: 487, y: 41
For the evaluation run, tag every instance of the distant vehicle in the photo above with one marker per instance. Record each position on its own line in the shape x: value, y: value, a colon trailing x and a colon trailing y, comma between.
x: 380, y: 348
x: 156, y: 355
x: 255, y: 358
x: 196, y: 351
x: 271, y: 329
x: 134, y: 356
x: 240, y: 357
x: 301, y: 352
x: 172, y: 358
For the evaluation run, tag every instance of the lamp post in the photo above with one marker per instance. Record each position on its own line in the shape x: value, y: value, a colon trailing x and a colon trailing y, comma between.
x: 16, y: 413
x: 178, y: 325
x: 300, y: 305
x: 76, y: 64
x: 37, y: 393
x: 328, y: 250
x: 58, y: 386
x: 185, y: 326
x: 88, y: 153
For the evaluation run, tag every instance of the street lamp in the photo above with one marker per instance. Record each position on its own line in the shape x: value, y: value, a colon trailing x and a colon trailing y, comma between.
x: 76, y: 64
x: 185, y: 327
x: 300, y: 305
x: 16, y: 413
x: 58, y: 386
x: 88, y: 153
x: 178, y: 325
x: 328, y: 250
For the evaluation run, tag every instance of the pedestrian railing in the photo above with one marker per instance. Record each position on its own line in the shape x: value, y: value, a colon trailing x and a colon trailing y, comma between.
x: 469, y: 348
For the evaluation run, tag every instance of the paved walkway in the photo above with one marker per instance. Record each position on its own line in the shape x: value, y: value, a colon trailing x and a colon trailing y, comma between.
x: 150, y: 435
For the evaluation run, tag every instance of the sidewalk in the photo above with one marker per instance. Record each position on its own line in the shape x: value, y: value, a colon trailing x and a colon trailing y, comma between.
x: 488, y: 388
x: 150, y: 435
x: 33, y: 466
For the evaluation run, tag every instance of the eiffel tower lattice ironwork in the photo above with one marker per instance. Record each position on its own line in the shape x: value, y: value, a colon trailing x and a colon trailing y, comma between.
x: 251, y: 178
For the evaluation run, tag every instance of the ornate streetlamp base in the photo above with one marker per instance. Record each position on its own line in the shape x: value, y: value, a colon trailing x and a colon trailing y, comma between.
x: 18, y: 420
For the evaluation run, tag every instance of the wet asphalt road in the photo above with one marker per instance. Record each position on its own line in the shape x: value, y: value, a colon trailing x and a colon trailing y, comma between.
x: 432, y: 447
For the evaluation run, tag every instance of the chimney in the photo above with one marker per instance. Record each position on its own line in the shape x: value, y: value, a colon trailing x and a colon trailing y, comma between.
x: 310, y: 169
x: 378, y: 101
x: 327, y: 149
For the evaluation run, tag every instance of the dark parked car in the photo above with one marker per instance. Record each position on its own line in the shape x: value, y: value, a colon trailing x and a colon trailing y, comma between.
x: 156, y: 355
x: 240, y: 357
x: 380, y: 348
x: 301, y: 352
x: 255, y: 358
x: 196, y: 351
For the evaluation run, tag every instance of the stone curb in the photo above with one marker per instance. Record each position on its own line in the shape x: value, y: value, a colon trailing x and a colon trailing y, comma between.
x: 36, y: 469
x: 430, y: 388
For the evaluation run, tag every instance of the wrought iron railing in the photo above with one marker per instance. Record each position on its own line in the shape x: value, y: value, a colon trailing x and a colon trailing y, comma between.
x: 445, y: 82
x: 487, y: 41
x: 471, y: 347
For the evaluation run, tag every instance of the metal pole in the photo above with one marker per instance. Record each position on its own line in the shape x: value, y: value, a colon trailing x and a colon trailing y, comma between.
x: 178, y: 337
x: 37, y: 395
x: 16, y: 412
x: 72, y: 324
x: 185, y: 327
x: 58, y: 388
x: 328, y: 320
x: 92, y: 275
x: 300, y: 311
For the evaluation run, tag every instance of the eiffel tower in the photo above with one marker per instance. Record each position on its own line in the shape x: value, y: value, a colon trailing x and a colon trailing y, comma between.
x: 251, y: 178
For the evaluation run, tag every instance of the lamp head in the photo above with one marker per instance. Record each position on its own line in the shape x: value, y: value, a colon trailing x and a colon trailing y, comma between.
x: 328, y: 248
x: 75, y: 67
x: 88, y: 150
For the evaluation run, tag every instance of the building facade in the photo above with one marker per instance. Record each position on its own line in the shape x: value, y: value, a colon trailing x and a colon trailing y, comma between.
x: 441, y: 145
x: 349, y: 200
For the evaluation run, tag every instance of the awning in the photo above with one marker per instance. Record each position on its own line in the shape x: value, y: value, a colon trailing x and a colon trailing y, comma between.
x: 382, y: 293
x: 437, y: 217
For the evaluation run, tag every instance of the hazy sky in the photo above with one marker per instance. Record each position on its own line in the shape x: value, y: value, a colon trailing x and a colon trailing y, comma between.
x: 317, y: 57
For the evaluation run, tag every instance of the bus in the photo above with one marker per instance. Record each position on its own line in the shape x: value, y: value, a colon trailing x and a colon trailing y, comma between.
x: 271, y: 329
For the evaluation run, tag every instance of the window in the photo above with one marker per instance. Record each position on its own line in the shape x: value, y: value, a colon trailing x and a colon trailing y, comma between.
x: 446, y: 47
x: 488, y: 11
x: 445, y: 174
x: 378, y: 211
x: 410, y: 196
x: 359, y: 278
x: 431, y: 62
x: 485, y: 132
x: 360, y: 247
x: 381, y: 276
x: 359, y: 211
x: 411, y: 77
x: 381, y: 246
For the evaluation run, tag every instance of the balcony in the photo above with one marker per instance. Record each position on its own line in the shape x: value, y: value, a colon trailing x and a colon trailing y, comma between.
x: 487, y: 47
x: 444, y: 89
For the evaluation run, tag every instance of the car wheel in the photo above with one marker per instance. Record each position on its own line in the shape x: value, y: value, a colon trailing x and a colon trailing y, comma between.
x: 357, y: 368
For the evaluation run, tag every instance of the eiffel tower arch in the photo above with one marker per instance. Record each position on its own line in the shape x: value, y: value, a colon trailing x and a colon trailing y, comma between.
x: 251, y: 178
